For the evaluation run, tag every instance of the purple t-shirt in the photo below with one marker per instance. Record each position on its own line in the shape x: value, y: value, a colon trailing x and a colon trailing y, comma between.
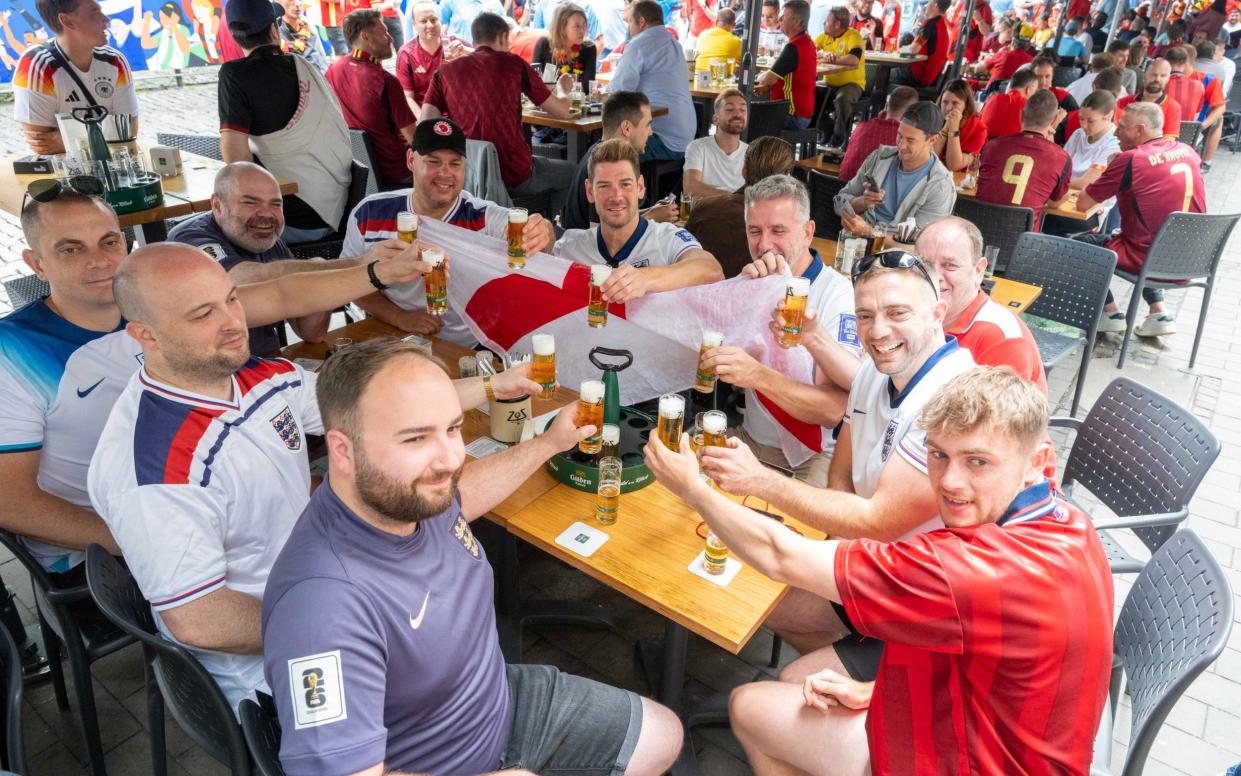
x: 382, y: 648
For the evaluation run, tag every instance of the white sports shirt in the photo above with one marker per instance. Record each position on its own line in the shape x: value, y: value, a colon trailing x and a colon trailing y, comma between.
x: 42, y: 87
x: 652, y: 244
x: 721, y: 170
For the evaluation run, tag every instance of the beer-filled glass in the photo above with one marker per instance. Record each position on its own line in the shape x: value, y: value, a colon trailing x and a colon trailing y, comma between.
x: 590, y: 413
x: 517, y: 218
x: 407, y: 226
x: 543, y: 369
x: 671, y: 420
x: 436, y: 281
x: 794, y: 311
x: 687, y: 204
x: 611, y: 441
x: 607, y: 495
x: 596, y: 308
x: 714, y: 428
x: 704, y: 379
x: 715, y: 560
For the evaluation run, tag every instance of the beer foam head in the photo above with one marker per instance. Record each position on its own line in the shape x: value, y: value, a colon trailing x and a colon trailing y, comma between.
x: 799, y: 286
x: 591, y: 391
x: 714, y: 422
x: 611, y: 434
x: 599, y: 273
x: 671, y: 405
x: 433, y: 257
x: 712, y: 339
x: 407, y: 221
x: 518, y: 215
x: 543, y: 344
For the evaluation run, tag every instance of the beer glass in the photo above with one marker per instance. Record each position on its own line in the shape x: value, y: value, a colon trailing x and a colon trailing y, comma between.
x: 877, y: 238
x: 543, y: 368
x: 671, y: 420
x: 607, y: 495
x: 406, y: 226
x: 436, y: 282
x: 687, y: 204
x: 992, y: 252
x: 714, y: 425
x: 590, y: 413
x: 794, y: 311
x: 715, y: 560
x: 596, y: 308
x: 704, y: 379
x: 611, y: 441
x: 695, y: 436
x: 517, y: 218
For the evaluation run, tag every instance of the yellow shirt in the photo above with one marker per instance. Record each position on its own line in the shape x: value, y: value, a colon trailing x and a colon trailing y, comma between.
x: 841, y: 47
x: 716, y: 43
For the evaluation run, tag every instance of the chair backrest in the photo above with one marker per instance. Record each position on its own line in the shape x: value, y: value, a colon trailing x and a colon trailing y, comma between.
x: 203, y: 145
x: 1174, y: 624
x: 192, y: 695
x: 359, y: 188
x: 263, y: 737
x: 767, y: 119
x: 49, y: 600
x: 26, y: 289
x: 1000, y: 225
x: 360, y: 145
x: 1140, y: 453
x: 1188, y: 246
x: 1074, y: 276
x: 1190, y: 132
x: 482, y: 172
x: 823, y: 189
x: 11, y: 685
x: 1064, y: 75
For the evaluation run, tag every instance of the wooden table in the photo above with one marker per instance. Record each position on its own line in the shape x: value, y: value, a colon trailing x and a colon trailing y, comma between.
x: 580, y: 130
x: 886, y: 62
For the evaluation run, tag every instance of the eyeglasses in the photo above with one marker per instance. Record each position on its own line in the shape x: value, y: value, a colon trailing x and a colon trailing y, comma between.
x: 892, y: 260
x: 45, y: 190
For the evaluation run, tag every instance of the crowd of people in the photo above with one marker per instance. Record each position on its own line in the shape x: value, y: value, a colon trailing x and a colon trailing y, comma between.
x: 144, y: 406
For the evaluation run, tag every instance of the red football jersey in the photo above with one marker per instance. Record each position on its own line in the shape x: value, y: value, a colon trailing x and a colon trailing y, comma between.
x: 1001, y: 114
x: 1149, y: 182
x: 998, y: 641
x: 1026, y: 170
x: 1171, y: 113
x: 1188, y: 93
x: 994, y: 336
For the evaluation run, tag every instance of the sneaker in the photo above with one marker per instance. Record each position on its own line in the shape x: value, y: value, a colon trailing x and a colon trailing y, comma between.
x: 1112, y: 323
x: 1157, y: 326
x: 1205, y: 167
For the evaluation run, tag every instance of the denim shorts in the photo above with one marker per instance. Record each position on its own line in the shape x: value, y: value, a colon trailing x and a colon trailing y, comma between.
x: 564, y: 724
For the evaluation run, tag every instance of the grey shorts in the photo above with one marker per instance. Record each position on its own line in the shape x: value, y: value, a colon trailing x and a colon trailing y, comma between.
x: 565, y: 724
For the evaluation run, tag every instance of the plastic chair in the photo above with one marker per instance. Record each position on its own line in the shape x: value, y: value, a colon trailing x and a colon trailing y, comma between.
x: 262, y: 734
x: 359, y: 179
x: 1143, y: 456
x: 1232, y: 118
x: 191, y: 693
x: 766, y: 119
x: 1000, y: 225
x: 1185, y: 253
x: 83, y: 640
x: 1074, y: 277
x: 26, y: 289
x: 1064, y: 75
x: 1191, y: 133
x: 203, y: 145
x: 1174, y: 624
x: 363, y: 153
x: 823, y: 189
x: 12, y: 752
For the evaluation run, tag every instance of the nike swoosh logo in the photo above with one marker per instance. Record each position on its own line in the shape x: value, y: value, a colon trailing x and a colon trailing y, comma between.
x: 416, y: 622
x: 83, y: 394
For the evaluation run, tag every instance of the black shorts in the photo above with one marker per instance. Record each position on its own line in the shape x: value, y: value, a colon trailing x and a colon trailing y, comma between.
x: 859, y: 654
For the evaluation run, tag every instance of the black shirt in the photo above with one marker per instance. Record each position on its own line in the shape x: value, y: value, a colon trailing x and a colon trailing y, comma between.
x: 543, y: 54
x: 578, y: 211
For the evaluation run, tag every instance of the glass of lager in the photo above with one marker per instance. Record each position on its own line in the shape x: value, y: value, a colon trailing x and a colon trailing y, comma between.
x: 596, y: 308
x: 794, y: 311
x: 714, y: 426
x: 590, y: 413
x: 687, y: 204
x: 611, y: 441
x: 704, y: 379
x: 436, y: 282
x: 407, y: 226
x: 671, y: 420
x: 715, y: 560
x: 517, y: 218
x: 695, y: 436
x: 607, y: 496
x: 543, y: 369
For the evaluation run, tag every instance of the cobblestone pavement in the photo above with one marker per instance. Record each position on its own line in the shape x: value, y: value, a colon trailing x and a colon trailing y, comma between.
x: 1202, y: 734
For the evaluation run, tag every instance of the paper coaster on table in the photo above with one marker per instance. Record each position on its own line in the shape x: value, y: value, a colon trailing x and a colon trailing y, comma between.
x: 731, y: 567
x: 582, y: 539
x: 483, y: 447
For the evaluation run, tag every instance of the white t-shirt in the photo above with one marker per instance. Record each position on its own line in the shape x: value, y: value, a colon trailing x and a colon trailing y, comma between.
x: 652, y: 244
x: 721, y: 170
x: 880, y: 424
x: 1082, y: 87
x: 201, y: 494
x: 42, y: 87
x: 1085, y: 153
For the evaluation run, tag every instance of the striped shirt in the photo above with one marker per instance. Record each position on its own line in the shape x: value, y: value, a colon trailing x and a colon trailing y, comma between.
x: 42, y: 87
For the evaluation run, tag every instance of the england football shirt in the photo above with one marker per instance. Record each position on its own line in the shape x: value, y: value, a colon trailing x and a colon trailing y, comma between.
x: 42, y: 87
x: 200, y: 494
x: 652, y: 244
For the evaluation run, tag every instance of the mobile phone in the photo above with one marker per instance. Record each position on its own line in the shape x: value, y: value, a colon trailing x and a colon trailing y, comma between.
x: 870, y: 182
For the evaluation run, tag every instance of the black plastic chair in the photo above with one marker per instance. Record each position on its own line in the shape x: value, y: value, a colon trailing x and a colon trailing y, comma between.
x: 12, y: 751
x: 767, y: 119
x: 1185, y: 253
x: 1174, y: 624
x: 359, y: 177
x: 364, y: 154
x: 26, y: 289
x: 1064, y: 75
x: 1000, y: 225
x: 262, y: 734
x: 1074, y: 277
x: 1191, y: 133
x: 1232, y: 118
x: 203, y: 145
x: 1142, y: 456
x: 83, y: 640
x: 192, y: 695
x: 823, y: 189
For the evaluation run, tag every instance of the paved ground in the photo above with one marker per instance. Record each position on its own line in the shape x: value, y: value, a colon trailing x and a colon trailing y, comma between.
x: 1203, y: 732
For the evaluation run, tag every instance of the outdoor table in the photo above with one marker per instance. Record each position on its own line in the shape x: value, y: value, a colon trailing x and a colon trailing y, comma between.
x: 579, y: 130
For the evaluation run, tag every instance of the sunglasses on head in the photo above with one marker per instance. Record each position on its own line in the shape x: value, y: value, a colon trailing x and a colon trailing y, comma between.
x: 45, y: 190
x: 892, y: 260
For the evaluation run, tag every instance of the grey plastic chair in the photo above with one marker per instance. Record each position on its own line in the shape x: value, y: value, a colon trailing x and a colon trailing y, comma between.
x: 262, y: 732
x: 360, y: 145
x: 1185, y: 253
x: 203, y: 145
x: 1174, y: 624
x: 1191, y: 133
x: 1074, y: 277
x: 26, y: 289
x: 1143, y: 456
x: 823, y: 189
x: 1000, y: 225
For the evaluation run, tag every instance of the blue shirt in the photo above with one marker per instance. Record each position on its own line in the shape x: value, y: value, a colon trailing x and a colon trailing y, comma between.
x: 456, y: 16
x: 897, y: 186
x: 653, y: 63
x: 1071, y: 47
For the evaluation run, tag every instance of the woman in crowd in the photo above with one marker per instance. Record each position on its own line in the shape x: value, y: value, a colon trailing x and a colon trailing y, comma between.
x: 566, y: 45
x: 963, y: 136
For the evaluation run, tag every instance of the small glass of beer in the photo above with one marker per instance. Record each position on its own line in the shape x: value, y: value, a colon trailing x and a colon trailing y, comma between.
x: 407, y: 226
x: 714, y: 426
x: 436, y: 282
x: 794, y: 311
x: 590, y: 413
x: 715, y: 560
x: 704, y: 379
x: 543, y: 370
x: 607, y: 496
x: 687, y: 204
x: 695, y: 436
x: 671, y: 420
x: 517, y: 218
x: 596, y: 308
x: 878, y: 238
x: 611, y: 441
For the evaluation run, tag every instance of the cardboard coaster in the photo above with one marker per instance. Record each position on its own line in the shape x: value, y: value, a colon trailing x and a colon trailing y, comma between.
x: 582, y: 539
x: 309, y: 364
x: 483, y: 447
x: 731, y: 567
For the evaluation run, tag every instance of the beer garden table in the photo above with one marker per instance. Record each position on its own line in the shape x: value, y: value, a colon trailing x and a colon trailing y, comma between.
x: 579, y: 130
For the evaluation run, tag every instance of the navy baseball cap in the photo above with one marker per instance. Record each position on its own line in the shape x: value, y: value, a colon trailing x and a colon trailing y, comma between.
x: 249, y: 17
x: 438, y: 135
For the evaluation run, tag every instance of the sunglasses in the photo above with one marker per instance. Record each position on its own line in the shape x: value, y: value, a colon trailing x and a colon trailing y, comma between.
x: 46, y: 190
x: 892, y: 260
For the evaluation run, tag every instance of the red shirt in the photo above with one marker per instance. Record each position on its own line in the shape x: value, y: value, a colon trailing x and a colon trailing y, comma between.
x: 1072, y: 123
x: 1171, y: 113
x: 699, y: 22
x: 998, y: 638
x: 1001, y: 114
x: 796, y: 67
x: 973, y: 135
x: 372, y: 101
x: 494, y: 113
x: 1149, y: 182
x: 974, y: 42
x: 866, y: 137
x: 1079, y: 8
x: 415, y: 66
x: 1188, y: 93
x: 1025, y: 170
x: 1005, y: 62
x: 935, y: 45
x: 330, y: 14
x: 994, y: 336
x: 1213, y: 93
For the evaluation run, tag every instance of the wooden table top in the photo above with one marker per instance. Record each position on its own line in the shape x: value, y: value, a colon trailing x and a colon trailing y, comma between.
x: 586, y: 123
x: 892, y: 59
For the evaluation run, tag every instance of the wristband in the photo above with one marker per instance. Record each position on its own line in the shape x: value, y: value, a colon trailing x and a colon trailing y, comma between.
x: 957, y: 133
x: 370, y: 273
x: 487, y: 389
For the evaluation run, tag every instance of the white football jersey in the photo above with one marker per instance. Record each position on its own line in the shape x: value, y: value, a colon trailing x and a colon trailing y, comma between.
x: 653, y: 244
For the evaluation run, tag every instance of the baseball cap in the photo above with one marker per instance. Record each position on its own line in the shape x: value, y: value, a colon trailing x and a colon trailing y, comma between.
x: 249, y: 17
x: 925, y: 116
x: 438, y: 135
